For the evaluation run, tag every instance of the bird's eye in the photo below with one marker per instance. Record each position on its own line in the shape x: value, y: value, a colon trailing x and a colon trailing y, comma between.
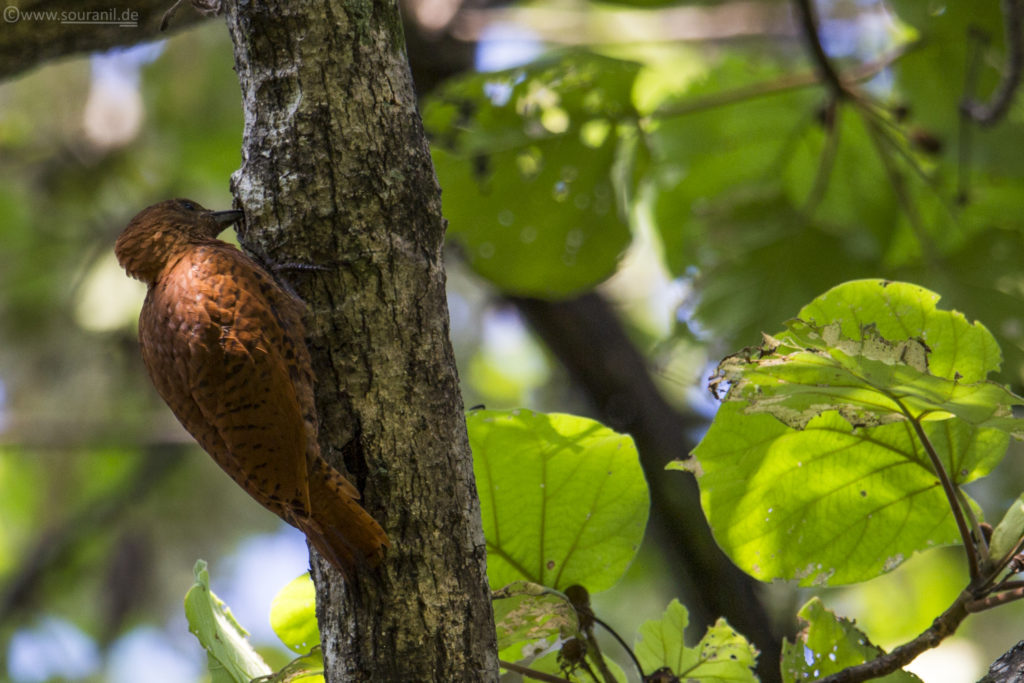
x: 188, y: 205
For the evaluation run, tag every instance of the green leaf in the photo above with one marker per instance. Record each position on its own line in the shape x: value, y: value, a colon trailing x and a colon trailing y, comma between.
x: 898, y: 311
x: 230, y: 656
x: 810, y: 470
x: 526, y: 158
x: 873, y: 350
x: 1008, y: 532
x: 868, y: 379
x: 293, y: 615
x: 831, y: 504
x: 531, y: 618
x: 721, y: 655
x: 828, y: 644
x: 563, y: 498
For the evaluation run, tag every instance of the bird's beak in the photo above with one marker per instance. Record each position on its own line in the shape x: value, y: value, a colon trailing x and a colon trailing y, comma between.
x: 226, y: 218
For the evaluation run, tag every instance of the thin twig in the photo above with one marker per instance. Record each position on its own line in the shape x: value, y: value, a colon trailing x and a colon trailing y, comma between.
x: 1008, y: 586
x: 530, y: 673
x: 980, y: 544
x: 627, y: 648
x: 943, y: 627
x: 991, y: 112
x: 809, y: 26
x: 1002, y: 563
x: 778, y: 87
x: 594, y: 651
x: 995, y: 599
x: 965, y: 128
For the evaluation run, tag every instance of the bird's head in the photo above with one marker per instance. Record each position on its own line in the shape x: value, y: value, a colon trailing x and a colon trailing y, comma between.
x: 160, y: 234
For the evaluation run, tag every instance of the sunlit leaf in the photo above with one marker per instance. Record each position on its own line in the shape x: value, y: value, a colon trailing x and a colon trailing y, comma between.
x: 831, y: 504
x: 563, y: 498
x: 811, y: 470
x: 293, y: 615
x: 721, y: 655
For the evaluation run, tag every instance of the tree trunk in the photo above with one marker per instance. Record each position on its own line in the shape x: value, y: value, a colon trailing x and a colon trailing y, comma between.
x: 342, y: 203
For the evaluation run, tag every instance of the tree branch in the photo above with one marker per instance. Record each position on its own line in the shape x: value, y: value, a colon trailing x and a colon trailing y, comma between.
x: 809, y: 26
x: 951, y: 495
x: 530, y: 673
x: 991, y: 112
x: 41, y: 31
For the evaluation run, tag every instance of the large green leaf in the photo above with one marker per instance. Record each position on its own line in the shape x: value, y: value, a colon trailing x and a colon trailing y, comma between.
x: 811, y: 469
x: 827, y: 644
x: 526, y: 158
x: 831, y: 504
x: 563, y: 498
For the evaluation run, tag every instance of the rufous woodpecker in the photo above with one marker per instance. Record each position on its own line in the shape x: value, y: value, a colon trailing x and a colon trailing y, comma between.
x: 225, y: 346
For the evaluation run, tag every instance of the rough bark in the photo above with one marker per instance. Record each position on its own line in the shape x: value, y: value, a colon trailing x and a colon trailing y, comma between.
x: 342, y: 202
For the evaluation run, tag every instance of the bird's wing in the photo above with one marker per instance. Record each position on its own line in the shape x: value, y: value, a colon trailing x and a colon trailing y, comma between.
x: 219, y: 355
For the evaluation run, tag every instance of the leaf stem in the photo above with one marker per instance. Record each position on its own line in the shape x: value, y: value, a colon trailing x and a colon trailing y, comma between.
x: 627, y: 648
x: 809, y: 25
x: 951, y: 494
x: 1014, y: 591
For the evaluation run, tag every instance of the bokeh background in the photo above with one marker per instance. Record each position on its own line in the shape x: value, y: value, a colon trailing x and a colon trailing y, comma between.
x: 753, y: 200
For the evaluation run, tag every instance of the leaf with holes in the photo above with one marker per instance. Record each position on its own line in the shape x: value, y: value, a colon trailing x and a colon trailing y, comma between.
x: 563, y: 498
x: 928, y: 364
x: 827, y: 644
x: 531, y: 619
x: 812, y: 469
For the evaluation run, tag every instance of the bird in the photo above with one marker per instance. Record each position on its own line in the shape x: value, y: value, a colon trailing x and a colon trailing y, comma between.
x: 224, y: 345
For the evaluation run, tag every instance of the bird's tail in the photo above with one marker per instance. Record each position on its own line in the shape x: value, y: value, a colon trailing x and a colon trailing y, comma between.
x: 339, y: 528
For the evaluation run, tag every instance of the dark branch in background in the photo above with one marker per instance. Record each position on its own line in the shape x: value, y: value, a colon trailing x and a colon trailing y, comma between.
x: 37, y: 32
x: 991, y: 112
x: 809, y: 26
x: 975, y: 42
x: 588, y: 338
x: 988, y: 113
